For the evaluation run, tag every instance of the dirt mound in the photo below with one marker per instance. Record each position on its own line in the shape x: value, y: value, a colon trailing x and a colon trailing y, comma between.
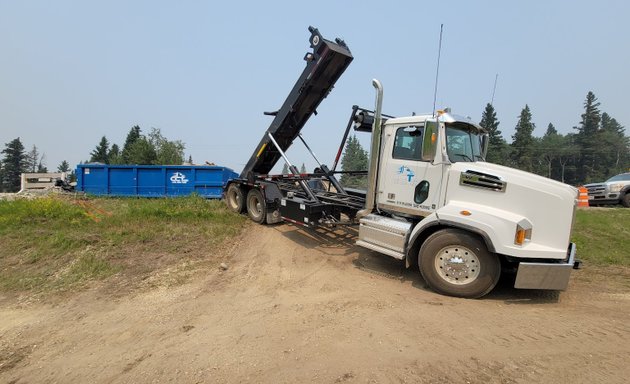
x: 293, y: 306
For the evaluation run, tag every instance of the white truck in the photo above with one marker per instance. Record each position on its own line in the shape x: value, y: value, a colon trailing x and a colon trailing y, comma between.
x: 431, y: 199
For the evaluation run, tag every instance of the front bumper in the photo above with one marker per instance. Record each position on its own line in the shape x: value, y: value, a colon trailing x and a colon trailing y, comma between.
x: 546, y: 275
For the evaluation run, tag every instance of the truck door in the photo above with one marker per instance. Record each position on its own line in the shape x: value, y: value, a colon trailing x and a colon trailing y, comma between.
x: 409, y: 183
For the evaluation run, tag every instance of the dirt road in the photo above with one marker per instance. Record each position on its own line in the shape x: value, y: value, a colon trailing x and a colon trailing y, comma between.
x: 300, y: 307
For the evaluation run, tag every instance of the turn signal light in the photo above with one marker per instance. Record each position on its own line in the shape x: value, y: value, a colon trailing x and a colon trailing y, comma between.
x: 523, y: 233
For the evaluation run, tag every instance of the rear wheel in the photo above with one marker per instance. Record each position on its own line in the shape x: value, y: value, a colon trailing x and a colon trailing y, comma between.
x: 256, y: 206
x: 234, y: 198
x: 456, y: 263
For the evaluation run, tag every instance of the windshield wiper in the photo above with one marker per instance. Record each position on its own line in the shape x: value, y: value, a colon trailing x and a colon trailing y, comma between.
x: 465, y: 156
x: 480, y: 157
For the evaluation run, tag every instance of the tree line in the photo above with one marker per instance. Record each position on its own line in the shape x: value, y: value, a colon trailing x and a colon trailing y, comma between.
x: 140, y: 149
x: 596, y: 150
x: 150, y: 149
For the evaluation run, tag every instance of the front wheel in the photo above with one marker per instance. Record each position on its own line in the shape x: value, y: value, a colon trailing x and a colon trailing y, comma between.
x: 625, y: 200
x: 456, y: 263
x: 256, y: 206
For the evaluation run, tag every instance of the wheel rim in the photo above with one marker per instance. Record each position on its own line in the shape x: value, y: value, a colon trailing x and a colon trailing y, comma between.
x: 457, y: 265
x: 254, y: 206
x: 234, y: 199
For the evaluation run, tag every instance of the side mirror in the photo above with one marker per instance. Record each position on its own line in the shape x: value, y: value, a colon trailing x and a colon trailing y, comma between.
x: 429, y: 144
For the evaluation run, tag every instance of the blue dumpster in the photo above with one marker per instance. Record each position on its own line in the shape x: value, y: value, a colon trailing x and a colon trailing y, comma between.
x: 153, y: 180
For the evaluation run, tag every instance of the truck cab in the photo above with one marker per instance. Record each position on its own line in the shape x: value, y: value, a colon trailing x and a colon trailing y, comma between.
x: 439, y: 205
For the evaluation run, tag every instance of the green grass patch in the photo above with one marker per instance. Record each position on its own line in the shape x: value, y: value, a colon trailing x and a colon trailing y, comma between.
x: 602, y: 236
x: 56, y: 243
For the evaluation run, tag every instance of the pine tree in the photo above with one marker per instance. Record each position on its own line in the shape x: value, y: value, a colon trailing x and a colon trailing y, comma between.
x: 355, y: 158
x: 114, y: 156
x: 190, y: 160
x: 132, y: 137
x: 14, y: 164
x: 497, y: 146
x: 100, y: 154
x: 586, y: 140
x: 285, y: 169
x: 523, y: 141
x: 63, y: 167
x: 303, y: 169
x: 32, y: 159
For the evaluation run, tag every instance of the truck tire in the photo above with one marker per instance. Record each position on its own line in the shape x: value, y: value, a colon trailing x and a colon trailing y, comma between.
x: 625, y: 200
x: 256, y: 206
x: 235, y: 199
x: 457, y: 263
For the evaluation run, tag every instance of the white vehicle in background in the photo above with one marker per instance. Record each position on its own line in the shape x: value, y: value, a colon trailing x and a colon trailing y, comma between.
x: 615, y: 190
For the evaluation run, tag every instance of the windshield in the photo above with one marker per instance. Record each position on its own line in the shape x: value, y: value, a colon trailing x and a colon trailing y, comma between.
x: 621, y: 177
x: 463, y: 144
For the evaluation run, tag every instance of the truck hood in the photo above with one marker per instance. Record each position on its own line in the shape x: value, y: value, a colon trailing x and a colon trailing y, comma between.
x: 547, y: 204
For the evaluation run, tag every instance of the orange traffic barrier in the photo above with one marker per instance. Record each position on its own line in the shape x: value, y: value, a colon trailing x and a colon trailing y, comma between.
x: 583, y: 197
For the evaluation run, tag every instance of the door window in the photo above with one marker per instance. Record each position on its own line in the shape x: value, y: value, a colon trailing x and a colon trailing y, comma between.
x: 408, y: 143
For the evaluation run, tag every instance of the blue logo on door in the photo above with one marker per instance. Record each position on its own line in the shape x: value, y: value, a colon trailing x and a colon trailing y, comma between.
x: 405, y: 171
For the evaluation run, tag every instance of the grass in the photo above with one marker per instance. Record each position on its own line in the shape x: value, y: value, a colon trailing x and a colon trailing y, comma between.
x: 59, y: 243
x: 602, y: 236
x: 62, y: 243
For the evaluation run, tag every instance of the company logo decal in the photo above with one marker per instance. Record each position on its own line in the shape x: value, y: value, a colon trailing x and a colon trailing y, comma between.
x: 406, y: 173
x: 179, y: 178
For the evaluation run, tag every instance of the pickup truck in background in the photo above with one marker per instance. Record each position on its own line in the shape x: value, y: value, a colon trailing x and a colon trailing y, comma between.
x: 615, y: 190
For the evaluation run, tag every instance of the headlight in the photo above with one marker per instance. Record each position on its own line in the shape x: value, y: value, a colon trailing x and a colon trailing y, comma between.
x: 616, y: 187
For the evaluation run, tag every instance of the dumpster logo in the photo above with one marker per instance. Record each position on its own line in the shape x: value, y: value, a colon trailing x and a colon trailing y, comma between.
x: 179, y: 178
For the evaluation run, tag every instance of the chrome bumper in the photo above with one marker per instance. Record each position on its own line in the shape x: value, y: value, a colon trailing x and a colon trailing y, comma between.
x: 545, y: 275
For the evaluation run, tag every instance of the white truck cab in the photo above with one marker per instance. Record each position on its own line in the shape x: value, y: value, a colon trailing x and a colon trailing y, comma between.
x: 437, y: 203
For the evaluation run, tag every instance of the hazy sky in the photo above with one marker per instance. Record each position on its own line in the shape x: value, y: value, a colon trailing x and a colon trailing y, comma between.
x: 203, y: 72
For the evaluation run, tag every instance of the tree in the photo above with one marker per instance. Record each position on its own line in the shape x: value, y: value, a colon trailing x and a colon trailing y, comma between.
x: 41, y: 165
x: 114, y: 156
x: 14, y: 163
x: 355, y: 158
x: 497, y: 146
x: 549, y: 148
x: 100, y: 154
x: 523, y: 141
x: 132, y: 137
x: 285, y: 169
x: 303, y: 169
x: 190, y: 160
x: 614, y: 146
x: 141, y: 152
x: 63, y: 167
x: 32, y: 160
x: 586, y: 140
x: 166, y: 151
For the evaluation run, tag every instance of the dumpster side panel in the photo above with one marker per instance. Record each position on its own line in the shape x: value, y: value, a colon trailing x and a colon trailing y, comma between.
x: 153, y: 180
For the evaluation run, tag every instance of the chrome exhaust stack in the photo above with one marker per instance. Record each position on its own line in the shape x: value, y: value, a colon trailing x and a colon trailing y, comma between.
x: 375, y: 149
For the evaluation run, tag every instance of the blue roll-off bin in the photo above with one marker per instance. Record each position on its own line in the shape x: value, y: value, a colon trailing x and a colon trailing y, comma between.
x: 153, y: 180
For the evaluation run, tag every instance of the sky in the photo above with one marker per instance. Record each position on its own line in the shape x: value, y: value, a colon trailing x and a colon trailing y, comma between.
x: 203, y: 72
